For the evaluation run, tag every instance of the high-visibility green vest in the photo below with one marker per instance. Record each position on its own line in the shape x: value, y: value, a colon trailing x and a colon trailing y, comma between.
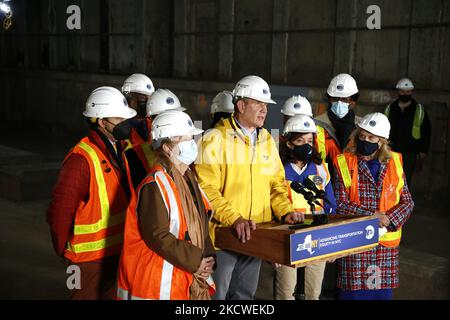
x: 418, y: 119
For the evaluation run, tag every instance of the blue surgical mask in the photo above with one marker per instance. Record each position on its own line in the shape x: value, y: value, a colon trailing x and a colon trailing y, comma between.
x: 339, y: 108
x: 188, y: 151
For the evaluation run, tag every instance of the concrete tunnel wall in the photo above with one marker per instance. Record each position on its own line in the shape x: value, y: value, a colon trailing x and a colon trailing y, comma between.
x: 287, y: 42
x: 200, y: 47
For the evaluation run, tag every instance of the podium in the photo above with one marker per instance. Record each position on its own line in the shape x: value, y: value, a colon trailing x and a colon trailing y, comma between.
x: 343, y: 235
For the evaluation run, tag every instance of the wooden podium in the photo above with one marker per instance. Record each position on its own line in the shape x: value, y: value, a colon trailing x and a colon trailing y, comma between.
x: 342, y: 236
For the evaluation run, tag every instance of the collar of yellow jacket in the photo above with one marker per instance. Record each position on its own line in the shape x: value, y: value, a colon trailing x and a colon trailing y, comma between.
x: 230, y: 124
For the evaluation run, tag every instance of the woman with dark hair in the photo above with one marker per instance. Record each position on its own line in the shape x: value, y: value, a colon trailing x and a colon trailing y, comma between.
x: 302, y: 161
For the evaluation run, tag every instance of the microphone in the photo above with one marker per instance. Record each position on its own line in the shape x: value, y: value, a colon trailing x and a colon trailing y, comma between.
x: 309, y: 196
x: 319, y: 193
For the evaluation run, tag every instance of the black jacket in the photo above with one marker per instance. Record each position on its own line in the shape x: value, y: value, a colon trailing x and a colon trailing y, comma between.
x: 401, y: 129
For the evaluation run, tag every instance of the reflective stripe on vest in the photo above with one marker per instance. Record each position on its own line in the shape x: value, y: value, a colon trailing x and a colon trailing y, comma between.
x: 417, y: 122
x: 123, y: 294
x: 95, y: 245
x: 345, y: 173
x: 321, y: 146
x: 389, y: 239
x: 106, y: 220
x: 418, y: 119
x: 387, y: 110
x: 174, y: 218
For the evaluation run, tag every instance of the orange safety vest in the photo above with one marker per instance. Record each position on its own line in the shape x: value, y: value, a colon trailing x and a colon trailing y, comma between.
x: 325, y: 145
x: 298, y: 201
x: 98, y: 231
x: 392, y: 188
x: 143, y: 274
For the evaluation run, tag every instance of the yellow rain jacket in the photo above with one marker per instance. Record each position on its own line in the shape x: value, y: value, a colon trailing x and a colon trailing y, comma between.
x: 241, y: 180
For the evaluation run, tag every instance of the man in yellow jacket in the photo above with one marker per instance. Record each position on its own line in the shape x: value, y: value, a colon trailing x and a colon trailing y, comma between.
x: 242, y: 175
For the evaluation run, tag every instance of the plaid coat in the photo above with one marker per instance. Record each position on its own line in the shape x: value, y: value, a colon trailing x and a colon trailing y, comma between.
x: 376, y: 268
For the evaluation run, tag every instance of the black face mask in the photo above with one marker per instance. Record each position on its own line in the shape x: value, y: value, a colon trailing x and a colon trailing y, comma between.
x: 404, y: 97
x: 122, y: 130
x: 142, y: 109
x: 303, y: 152
x: 366, y: 148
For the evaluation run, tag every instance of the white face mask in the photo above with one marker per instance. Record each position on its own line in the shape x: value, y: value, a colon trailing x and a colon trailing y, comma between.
x: 188, y: 151
x: 340, y: 109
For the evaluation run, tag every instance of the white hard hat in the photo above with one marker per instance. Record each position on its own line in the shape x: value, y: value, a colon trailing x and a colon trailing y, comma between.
x: 342, y: 86
x: 173, y: 123
x: 300, y: 123
x: 405, y: 84
x: 107, y: 102
x: 138, y: 83
x: 297, y: 105
x: 376, y: 123
x: 162, y: 100
x: 223, y: 102
x: 253, y: 87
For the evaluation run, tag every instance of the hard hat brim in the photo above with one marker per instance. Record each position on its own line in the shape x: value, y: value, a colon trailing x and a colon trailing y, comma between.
x: 291, y: 114
x: 265, y: 100
x: 341, y: 95
x: 370, y: 130
x: 145, y: 93
x: 404, y: 88
x: 193, y: 132
x: 299, y: 131
x: 158, y: 113
x: 131, y: 113
x: 196, y: 131
x: 127, y: 115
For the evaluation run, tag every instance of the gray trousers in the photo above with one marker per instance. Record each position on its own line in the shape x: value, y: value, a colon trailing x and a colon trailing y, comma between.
x: 236, y: 276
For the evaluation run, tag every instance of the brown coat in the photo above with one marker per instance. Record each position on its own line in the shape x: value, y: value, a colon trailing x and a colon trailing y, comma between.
x: 154, y: 227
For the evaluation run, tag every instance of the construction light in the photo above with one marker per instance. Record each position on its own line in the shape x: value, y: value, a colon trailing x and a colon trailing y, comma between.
x: 5, y: 8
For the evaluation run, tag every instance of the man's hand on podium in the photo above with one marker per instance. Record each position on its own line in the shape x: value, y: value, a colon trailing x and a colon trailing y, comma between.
x: 294, y: 217
x: 243, y: 228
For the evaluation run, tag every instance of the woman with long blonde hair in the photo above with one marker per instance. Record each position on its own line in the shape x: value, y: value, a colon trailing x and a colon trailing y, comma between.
x: 370, y: 181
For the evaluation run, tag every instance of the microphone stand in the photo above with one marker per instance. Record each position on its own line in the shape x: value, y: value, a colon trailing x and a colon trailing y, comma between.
x: 312, y: 199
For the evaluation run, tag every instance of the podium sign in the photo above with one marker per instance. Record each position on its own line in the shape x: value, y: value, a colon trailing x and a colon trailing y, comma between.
x: 308, y: 245
x: 342, y: 236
